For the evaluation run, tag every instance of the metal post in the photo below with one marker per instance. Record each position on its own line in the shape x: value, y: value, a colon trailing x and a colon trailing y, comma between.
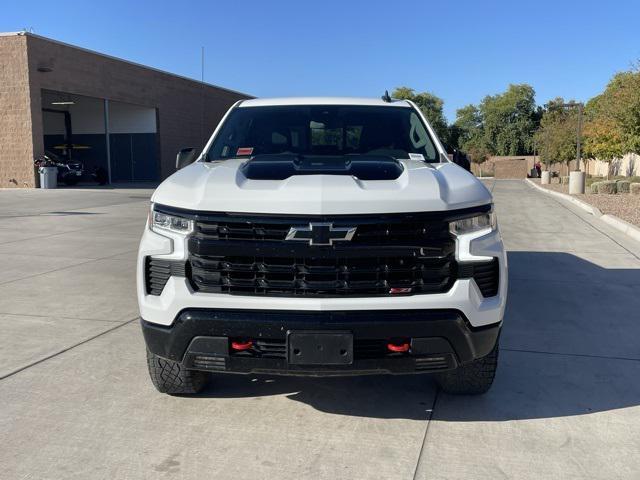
x: 534, y: 155
x: 579, y: 139
x: 577, y: 178
x: 546, y: 146
x: 106, y: 136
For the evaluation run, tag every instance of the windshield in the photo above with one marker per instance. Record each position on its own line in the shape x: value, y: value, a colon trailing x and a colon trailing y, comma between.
x: 324, y: 130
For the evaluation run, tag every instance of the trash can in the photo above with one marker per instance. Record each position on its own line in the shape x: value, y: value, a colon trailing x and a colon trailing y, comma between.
x: 48, y: 177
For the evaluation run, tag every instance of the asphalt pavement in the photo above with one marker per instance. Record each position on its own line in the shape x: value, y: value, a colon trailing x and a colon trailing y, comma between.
x: 76, y: 401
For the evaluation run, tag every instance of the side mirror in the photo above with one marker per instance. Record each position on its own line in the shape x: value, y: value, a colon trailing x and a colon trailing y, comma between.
x: 185, y: 157
x: 461, y: 160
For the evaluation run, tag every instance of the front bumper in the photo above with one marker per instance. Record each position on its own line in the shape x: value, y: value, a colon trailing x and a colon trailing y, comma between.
x: 440, y: 340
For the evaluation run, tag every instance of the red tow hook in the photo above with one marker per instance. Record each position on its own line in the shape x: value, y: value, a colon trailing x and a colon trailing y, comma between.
x: 402, y: 347
x: 241, y: 345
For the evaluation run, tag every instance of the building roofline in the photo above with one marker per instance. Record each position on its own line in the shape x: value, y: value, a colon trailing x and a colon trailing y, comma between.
x: 111, y: 57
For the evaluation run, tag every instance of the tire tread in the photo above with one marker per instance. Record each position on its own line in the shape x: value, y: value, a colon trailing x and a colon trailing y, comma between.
x: 474, y: 378
x: 170, y: 377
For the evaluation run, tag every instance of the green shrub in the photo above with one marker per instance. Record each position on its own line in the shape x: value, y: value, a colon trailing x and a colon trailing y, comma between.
x: 634, y: 188
x: 591, y: 180
x: 607, y: 187
x: 622, y: 186
x: 594, y: 187
x: 632, y: 179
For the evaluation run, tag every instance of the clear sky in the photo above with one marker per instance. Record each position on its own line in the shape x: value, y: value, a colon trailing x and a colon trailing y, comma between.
x: 458, y: 50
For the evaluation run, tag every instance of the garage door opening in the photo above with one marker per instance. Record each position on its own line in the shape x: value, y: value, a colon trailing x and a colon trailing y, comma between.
x: 116, y: 139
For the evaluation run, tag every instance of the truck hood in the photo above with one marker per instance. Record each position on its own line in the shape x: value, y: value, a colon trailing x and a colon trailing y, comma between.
x: 222, y: 187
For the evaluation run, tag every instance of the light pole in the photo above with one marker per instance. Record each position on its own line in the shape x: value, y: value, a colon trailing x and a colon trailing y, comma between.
x: 545, y: 175
x: 534, y: 154
x: 534, y: 149
x: 579, y: 134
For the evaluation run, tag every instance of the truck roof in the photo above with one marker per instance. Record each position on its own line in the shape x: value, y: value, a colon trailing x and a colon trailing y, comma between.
x: 272, y: 102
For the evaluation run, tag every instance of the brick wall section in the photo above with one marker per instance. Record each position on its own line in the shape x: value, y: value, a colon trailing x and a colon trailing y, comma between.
x: 16, y: 147
x: 488, y: 167
x: 511, y: 169
x: 179, y: 101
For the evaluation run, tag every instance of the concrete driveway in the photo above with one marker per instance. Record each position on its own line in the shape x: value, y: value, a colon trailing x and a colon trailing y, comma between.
x: 76, y: 402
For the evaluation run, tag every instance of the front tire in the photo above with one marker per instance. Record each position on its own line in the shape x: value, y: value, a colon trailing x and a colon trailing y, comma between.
x: 473, y: 378
x: 172, y: 378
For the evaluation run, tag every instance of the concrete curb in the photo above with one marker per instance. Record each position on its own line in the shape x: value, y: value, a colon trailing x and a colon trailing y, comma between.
x: 617, y: 223
x: 624, y: 227
x: 583, y: 205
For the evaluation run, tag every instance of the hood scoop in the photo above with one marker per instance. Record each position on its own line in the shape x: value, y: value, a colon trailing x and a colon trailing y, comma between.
x: 283, y: 166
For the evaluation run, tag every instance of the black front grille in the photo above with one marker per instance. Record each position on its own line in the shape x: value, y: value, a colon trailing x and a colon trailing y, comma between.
x: 389, y: 254
x: 404, y: 229
x: 242, y: 274
x: 304, y: 276
x: 249, y: 255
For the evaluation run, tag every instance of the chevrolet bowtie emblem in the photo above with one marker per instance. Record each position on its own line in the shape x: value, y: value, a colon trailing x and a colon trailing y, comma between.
x: 321, y: 234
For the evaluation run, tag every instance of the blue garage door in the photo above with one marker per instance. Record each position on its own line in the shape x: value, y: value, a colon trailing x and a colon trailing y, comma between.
x: 134, y: 157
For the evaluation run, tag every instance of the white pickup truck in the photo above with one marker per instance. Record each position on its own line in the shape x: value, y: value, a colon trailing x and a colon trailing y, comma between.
x: 321, y: 236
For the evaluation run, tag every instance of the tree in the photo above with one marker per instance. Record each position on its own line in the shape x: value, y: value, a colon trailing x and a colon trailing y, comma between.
x: 612, y: 126
x: 621, y: 102
x: 603, y: 136
x: 430, y: 105
x: 510, y: 119
x: 469, y: 131
x: 501, y: 124
x: 558, y: 132
x: 477, y: 151
x: 468, y: 125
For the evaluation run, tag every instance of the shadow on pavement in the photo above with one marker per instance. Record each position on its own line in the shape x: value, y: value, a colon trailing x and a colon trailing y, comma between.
x: 112, y: 186
x: 569, y: 344
x: 569, y: 347
x: 375, y: 396
x: 68, y: 214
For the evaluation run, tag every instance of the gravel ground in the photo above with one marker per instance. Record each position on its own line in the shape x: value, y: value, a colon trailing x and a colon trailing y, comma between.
x: 624, y: 206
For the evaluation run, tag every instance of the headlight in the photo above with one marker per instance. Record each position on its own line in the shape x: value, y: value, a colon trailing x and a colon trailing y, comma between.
x: 474, y: 224
x: 159, y: 221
